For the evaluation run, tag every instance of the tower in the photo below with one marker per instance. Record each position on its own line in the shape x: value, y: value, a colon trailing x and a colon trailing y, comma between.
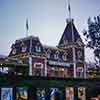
x: 72, y: 42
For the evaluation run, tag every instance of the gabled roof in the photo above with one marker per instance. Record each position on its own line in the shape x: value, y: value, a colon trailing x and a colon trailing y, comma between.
x: 67, y: 36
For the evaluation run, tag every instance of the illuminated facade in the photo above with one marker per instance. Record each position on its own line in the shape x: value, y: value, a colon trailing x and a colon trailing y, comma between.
x: 64, y: 60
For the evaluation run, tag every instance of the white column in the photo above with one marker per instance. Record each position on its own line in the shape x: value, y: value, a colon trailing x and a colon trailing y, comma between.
x: 74, y: 62
x: 45, y: 67
x: 30, y: 66
x: 85, y: 70
x: 73, y: 49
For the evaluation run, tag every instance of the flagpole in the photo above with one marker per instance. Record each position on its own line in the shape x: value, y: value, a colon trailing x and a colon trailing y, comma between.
x: 27, y: 28
x: 73, y: 48
x: 30, y: 49
x: 69, y: 9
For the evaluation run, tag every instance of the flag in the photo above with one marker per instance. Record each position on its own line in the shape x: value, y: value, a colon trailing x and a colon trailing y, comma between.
x: 27, y: 27
x: 69, y: 8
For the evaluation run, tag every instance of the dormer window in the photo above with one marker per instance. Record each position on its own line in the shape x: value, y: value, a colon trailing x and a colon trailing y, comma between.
x: 24, y: 48
x: 56, y: 55
x: 48, y: 53
x: 79, y: 54
x: 13, y: 51
x: 64, y: 56
x: 65, y: 41
x: 38, y: 48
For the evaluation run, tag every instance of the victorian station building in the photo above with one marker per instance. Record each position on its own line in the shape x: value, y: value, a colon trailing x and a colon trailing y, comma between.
x: 64, y: 60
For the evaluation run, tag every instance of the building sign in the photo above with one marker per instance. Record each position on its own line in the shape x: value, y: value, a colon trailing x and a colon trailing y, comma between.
x: 59, y: 63
x: 21, y: 93
x: 81, y: 93
x: 69, y: 91
x: 6, y: 94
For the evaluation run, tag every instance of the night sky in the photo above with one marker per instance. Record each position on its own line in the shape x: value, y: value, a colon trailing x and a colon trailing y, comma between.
x: 47, y: 20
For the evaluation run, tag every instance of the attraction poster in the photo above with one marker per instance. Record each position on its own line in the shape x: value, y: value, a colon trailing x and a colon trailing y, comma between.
x: 81, y: 93
x: 69, y: 91
x: 6, y: 94
x: 41, y: 94
x: 21, y: 93
x: 55, y: 94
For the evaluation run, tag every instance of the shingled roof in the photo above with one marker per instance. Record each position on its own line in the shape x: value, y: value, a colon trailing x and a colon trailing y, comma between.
x: 67, y: 34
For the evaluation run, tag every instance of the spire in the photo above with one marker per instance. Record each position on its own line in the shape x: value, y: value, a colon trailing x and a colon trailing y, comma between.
x: 70, y: 33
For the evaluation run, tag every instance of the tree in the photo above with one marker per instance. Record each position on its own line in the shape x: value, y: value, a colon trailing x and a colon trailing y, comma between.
x: 92, y: 36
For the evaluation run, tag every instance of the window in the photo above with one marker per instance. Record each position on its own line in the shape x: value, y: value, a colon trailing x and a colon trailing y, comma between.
x: 64, y: 56
x: 38, y: 48
x: 65, y: 41
x: 48, y: 53
x: 80, y: 72
x: 24, y: 49
x: 79, y: 54
x: 14, y: 51
x: 38, y: 69
x: 56, y: 55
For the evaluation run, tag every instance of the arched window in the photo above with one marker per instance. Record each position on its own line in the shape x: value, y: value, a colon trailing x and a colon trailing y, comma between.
x: 48, y: 53
x: 56, y: 55
x: 79, y: 54
x: 38, y: 48
x: 13, y: 49
x: 64, y: 56
x: 24, y: 48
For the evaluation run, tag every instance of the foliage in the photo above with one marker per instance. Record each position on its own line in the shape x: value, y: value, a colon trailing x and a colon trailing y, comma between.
x: 92, y: 35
